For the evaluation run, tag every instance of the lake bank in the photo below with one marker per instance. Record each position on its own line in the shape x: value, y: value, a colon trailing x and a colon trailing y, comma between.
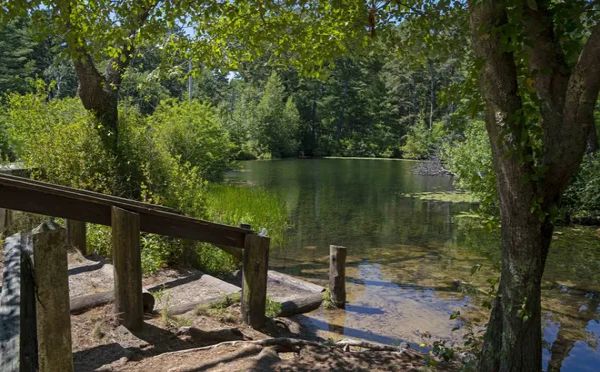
x: 406, y: 256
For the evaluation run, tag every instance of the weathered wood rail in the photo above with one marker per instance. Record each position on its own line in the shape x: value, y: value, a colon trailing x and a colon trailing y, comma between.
x: 127, y: 218
x: 43, y: 198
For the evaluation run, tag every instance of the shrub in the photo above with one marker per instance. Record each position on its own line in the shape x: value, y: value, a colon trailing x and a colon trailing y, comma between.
x: 167, y: 157
x: 581, y: 200
x: 421, y: 142
x: 6, y: 152
x: 470, y: 160
x: 156, y: 251
x: 192, y: 132
x: 58, y: 141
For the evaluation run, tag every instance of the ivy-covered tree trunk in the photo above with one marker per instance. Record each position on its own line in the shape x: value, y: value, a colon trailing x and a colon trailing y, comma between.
x: 529, y: 183
x: 100, y: 96
x: 99, y: 92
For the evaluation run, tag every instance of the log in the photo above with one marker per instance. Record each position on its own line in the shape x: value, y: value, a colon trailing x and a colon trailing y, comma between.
x: 184, y: 308
x: 83, y: 303
x: 52, y: 294
x: 76, y: 235
x: 254, y: 280
x: 293, y: 281
x: 301, y: 305
x: 337, y: 275
x: 127, y: 268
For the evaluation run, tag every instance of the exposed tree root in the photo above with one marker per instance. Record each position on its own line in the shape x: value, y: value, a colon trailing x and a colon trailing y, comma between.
x: 285, y: 344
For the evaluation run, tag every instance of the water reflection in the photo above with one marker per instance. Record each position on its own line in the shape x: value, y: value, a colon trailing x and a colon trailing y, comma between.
x: 410, y: 261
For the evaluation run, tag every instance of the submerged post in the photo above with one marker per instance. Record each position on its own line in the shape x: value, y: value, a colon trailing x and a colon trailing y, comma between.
x: 127, y: 268
x: 337, y: 275
x: 254, y: 279
x: 76, y: 235
x: 52, y: 294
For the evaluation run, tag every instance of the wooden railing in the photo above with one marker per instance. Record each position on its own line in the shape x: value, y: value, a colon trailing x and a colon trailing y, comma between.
x: 127, y: 219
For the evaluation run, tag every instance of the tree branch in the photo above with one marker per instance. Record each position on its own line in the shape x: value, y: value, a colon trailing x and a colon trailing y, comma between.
x: 580, y: 100
x: 548, y: 68
x: 504, y: 121
x: 116, y: 66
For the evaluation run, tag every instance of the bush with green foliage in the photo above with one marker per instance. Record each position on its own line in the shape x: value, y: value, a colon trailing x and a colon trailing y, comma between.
x: 421, y: 142
x: 6, y: 153
x: 581, y: 200
x: 470, y: 160
x: 58, y: 141
x: 193, y: 133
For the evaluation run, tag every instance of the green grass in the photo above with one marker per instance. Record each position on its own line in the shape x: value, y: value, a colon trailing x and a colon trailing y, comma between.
x: 233, y: 205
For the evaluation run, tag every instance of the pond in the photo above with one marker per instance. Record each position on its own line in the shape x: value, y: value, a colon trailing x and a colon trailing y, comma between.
x: 409, y: 265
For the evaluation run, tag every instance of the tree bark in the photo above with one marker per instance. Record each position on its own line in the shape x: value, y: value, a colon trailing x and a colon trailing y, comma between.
x: 528, y: 191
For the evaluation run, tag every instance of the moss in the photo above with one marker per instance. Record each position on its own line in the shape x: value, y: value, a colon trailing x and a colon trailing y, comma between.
x: 443, y: 196
x: 272, y: 308
x: 327, y: 303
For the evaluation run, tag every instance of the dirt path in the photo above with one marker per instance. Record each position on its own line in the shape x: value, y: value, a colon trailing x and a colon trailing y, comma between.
x: 169, y: 344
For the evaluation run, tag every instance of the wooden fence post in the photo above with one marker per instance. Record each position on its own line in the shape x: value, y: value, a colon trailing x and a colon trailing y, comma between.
x: 52, y: 294
x: 337, y: 275
x: 5, y: 220
x: 18, y: 335
x: 254, y: 279
x: 76, y: 235
x: 127, y: 268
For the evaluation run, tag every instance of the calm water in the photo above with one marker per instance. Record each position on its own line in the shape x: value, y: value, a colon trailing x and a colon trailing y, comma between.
x: 406, y: 257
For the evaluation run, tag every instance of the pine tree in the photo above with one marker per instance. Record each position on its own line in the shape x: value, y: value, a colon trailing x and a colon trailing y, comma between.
x: 276, y: 124
x: 16, y: 63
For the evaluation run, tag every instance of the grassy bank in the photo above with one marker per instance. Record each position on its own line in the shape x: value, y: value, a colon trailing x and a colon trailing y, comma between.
x: 227, y: 204
x: 233, y: 205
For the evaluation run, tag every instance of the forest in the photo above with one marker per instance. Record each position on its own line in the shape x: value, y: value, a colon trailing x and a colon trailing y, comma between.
x: 157, y: 101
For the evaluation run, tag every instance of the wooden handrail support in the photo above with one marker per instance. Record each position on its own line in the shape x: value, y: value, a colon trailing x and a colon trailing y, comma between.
x: 35, y: 323
x: 254, y: 280
x: 127, y: 267
x: 52, y: 297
